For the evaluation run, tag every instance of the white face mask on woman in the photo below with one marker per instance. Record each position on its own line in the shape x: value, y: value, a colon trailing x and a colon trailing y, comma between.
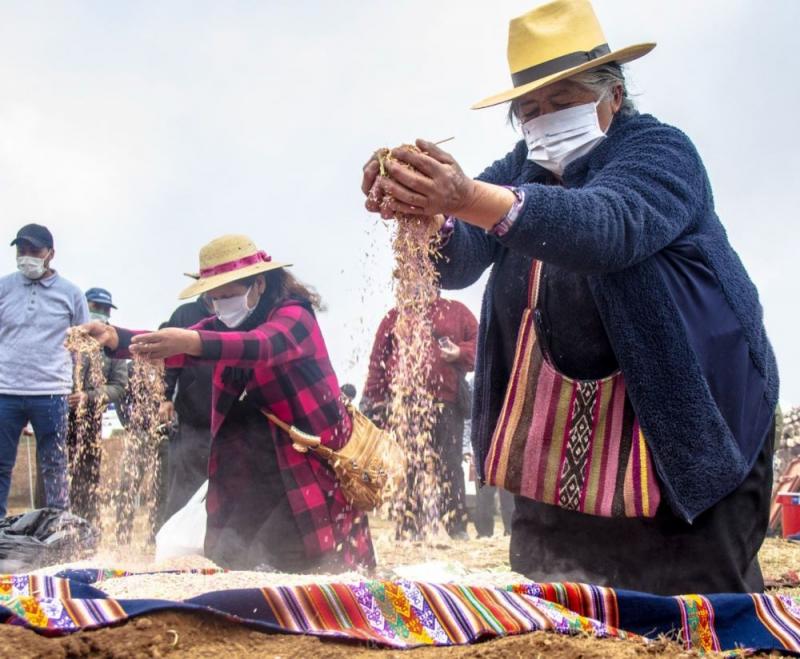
x: 233, y: 311
x: 31, y: 266
x: 554, y: 140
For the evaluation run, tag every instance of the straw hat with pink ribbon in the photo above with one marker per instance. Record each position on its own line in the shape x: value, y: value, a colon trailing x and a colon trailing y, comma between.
x: 226, y: 259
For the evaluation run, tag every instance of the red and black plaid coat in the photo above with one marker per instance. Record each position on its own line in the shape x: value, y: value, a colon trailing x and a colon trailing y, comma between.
x: 291, y: 377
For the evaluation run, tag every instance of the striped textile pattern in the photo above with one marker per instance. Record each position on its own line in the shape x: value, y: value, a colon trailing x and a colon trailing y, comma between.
x: 780, y: 614
x: 408, y: 614
x: 596, y: 602
x: 569, y: 443
x: 405, y: 614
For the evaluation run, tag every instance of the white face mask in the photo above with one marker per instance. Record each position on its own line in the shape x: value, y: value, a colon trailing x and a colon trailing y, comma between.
x: 101, y: 317
x: 554, y: 140
x: 233, y: 311
x: 31, y: 266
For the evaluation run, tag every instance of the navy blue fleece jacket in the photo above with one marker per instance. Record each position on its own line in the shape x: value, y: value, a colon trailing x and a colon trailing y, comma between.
x: 636, y: 217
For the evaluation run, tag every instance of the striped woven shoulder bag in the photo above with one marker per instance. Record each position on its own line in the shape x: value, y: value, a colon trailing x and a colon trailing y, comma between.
x: 570, y: 443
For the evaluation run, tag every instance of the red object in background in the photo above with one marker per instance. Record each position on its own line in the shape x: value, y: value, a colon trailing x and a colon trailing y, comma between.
x: 451, y: 321
x: 790, y: 512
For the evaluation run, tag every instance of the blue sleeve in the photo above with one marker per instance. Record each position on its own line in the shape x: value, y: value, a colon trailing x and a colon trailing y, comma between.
x: 648, y: 193
x: 470, y: 250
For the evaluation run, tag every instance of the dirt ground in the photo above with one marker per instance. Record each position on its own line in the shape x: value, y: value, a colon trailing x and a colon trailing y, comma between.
x: 176, y: 635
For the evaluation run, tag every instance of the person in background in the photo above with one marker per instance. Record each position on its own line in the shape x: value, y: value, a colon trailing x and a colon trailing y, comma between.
x: 485, y: 509
x: 455, y: 332
x: 187, y: 414
x: 268, y: 506
x: 37, y: 307
x: 85, y: 420
x: 349, y: 391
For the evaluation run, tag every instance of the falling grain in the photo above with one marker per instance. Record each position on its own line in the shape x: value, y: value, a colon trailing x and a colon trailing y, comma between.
x: 412, y: 411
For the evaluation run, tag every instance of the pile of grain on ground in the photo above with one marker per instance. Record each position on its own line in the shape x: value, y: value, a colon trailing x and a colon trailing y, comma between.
x: 122, y: 559
x: 183, y: 586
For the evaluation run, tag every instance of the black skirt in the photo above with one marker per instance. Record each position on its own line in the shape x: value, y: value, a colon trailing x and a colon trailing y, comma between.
x: 250, y: 522
x: 663, y: 555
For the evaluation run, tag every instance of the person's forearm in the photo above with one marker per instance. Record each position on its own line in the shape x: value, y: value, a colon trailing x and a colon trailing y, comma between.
x: 194, y: 344
x: 487, y: 205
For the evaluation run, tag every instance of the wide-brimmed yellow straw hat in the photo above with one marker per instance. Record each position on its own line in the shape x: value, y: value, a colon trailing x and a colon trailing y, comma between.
x: 226, y: 259
x: 556, y: 41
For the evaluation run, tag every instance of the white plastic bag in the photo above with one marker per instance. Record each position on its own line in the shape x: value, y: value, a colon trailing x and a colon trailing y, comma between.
x: 184, y: 533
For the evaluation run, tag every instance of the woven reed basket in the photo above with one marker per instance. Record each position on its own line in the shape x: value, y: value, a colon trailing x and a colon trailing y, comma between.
x: 367, y: 467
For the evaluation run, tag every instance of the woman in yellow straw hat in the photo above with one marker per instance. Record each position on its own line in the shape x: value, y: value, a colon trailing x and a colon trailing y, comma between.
x: 268, y: 505
x: 625, y: 387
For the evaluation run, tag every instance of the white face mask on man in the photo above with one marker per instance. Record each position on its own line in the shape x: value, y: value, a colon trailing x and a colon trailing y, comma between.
x: 556, y: 139
x: 233, y: 311
x: 31, y: 266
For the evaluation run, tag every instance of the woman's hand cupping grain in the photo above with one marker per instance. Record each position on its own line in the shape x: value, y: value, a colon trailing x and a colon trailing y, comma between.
x: 369, y: 182
x: 425, y: 182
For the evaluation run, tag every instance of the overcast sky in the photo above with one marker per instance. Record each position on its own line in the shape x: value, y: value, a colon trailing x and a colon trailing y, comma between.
x: 138, y: 131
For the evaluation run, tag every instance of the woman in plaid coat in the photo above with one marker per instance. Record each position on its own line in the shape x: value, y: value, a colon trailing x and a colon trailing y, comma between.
x: 269, y: 506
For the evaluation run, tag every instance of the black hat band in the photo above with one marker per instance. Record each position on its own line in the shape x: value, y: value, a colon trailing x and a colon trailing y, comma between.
x: 558, y: 64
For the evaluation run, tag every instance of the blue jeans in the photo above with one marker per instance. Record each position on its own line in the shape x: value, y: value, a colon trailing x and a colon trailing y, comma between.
x: 48, y: 416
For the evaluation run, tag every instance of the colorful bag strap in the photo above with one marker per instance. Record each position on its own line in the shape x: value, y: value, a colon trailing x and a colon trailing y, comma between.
x: 534, y: 282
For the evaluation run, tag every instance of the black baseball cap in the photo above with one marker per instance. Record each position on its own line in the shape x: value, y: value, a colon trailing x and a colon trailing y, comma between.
x: 36, y: 234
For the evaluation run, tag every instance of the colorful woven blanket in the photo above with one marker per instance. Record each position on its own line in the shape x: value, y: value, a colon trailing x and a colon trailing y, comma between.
x: 405, y: 614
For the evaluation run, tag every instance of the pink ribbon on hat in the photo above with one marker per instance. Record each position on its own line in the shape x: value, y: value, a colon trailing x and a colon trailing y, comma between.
x: 258, y: 257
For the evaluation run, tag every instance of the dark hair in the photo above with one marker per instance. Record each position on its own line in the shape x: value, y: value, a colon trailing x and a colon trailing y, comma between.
x: 282, y: 285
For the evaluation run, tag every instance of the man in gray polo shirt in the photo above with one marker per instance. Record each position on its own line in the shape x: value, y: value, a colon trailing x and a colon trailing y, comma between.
x: 37, y: 306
